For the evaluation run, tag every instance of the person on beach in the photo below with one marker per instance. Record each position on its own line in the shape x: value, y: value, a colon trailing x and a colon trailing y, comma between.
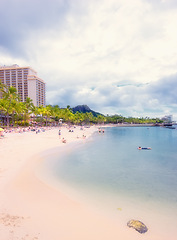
x: 63, y: 140
x: 59, y: 133
x: 1, y: 134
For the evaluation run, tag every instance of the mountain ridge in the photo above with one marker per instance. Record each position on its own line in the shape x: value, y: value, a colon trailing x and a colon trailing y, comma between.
x: 84, y: 109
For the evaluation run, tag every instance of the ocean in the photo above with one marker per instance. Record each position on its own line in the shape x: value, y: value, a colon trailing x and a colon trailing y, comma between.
x: 111, y: 173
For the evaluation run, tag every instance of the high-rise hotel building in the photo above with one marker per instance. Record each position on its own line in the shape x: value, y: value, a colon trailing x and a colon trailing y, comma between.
x: 26, y: 81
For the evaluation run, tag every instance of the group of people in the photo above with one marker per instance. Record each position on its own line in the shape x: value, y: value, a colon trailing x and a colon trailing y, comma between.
x: 4, y: 131
x: 71, y: 131
x: 59, y: 134
x: 101, y: 130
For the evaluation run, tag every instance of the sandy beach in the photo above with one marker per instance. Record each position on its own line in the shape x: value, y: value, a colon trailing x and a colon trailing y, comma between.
x: 31, y: 209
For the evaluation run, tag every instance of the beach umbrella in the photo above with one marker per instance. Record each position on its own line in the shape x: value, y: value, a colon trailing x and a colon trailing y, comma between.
x: 1, y: 129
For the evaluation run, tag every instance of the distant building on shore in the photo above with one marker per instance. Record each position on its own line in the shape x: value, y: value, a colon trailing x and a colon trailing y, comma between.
x: 167, y: 119
x: 26, y: 81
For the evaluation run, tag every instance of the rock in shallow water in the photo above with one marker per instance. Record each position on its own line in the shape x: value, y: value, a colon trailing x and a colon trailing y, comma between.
x: 138, y: 226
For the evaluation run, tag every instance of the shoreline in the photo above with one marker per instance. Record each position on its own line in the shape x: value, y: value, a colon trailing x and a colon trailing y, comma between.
x: 156, y: 215
x: 33, y: 209
x: 17, y: 166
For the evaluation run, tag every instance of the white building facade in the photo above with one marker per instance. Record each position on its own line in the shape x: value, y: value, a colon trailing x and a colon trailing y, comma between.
x: 26, y: 81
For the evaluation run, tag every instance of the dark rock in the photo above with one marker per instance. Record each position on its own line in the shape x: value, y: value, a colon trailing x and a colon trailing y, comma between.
x: 138, y: 226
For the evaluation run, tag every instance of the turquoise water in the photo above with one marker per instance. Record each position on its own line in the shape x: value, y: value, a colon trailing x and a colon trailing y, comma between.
x: 111, y: 165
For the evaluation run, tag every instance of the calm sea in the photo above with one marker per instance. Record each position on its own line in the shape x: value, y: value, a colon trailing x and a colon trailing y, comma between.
x: 109, y: 167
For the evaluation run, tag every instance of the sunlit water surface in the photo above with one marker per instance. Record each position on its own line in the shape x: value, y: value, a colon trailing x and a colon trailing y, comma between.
x: 110, y: 170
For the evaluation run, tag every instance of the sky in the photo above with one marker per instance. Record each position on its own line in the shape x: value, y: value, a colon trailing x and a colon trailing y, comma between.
x: 116, y: 56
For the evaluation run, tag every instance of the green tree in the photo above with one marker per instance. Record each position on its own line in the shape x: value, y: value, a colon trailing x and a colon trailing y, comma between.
x: 3, y: 108
x: 3, y: 88
x: 78, y: 118
x: 29, y: 105
x: 10, y: 97
x: 101, y: 119
x: 88, y: 117
x: 46, y: 112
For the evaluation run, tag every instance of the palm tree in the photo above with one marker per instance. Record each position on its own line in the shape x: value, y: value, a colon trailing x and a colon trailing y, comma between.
x: 3, y: 89
x: 78, y: 118
x: 43, y: 112
x: 28, y: 108
x: 55, y: 112
x: 38, y: 112
x: 2, y: 108
x: 67, y: 114
x: 14, y: 109
x: 29, y: 105
x: 46, y: 111
x: 22, y: 111
x: 10, y: 97
x: 101, y: 119
x: 88, y: 117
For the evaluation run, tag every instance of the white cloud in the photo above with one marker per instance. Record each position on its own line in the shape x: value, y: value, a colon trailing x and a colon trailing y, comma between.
x: 84, y: 49
x: 108, y: 41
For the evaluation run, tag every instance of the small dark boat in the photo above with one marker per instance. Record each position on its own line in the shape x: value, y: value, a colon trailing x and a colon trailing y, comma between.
x: 167, y: 124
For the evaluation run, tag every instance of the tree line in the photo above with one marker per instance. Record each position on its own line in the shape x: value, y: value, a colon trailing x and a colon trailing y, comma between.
x: 16, y: 113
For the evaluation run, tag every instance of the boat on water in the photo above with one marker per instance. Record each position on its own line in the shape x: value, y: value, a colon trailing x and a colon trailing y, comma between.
x: 169, y: 124
x: 170, y: 127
